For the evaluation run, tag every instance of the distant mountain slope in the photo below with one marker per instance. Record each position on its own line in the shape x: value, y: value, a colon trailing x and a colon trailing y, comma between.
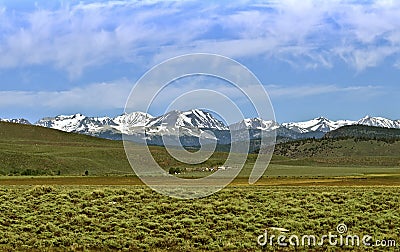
x: 126, y: 122
x: 318, y: 124
x: 17, y: 120
x: 192, y: 125
x: 23, y: 132
x: 362, y: 131
x: 325, y: 125
x: 91, y: 125
x: 33, y: 150
x: 194, y: 118
x: 342, y: 152
x: 75, y: 123
x: 255, y: 124
x: 379, y: 122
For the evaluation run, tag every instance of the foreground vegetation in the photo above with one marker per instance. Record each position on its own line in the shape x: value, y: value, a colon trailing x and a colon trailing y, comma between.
x: 135, y: 218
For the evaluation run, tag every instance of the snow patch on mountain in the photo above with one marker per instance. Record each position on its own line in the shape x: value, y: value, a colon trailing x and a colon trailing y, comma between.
x: 75, y: 123
x: 133, y: 119
x: 129, y: 122
x: 16, y: 120
x: 379, y: 122
x: 187, y: 123
x: 82, y: 124
x: 318, y: 124
x: 195, y: 118
x: 255, y: 123
x: 194, y: 123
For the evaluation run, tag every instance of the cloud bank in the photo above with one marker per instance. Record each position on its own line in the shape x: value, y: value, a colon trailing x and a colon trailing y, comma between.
x: 75, y: 36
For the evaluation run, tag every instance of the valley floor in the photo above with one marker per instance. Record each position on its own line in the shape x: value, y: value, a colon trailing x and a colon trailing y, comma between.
x: 134, y: 218
x: 374, y: 180
x: 275, y: 175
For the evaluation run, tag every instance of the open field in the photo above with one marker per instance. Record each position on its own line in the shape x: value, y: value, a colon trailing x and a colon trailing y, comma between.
x: 372, y: 181
x: 292, y: 178
x: 135, y: 218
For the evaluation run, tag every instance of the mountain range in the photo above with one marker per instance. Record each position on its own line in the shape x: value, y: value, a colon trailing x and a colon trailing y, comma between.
x: 193, y: 125
x: 20, y: 121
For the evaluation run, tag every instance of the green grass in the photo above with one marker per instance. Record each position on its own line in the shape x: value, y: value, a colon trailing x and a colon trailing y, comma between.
x: 312, y: 171
x: 299, y: 171
x: 134, y: 218
x: 365, y: 132
x: 340, y: 148
x: 31, y: 150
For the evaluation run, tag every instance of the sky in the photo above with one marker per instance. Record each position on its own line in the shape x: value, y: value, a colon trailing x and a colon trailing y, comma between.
x: 337, y: 59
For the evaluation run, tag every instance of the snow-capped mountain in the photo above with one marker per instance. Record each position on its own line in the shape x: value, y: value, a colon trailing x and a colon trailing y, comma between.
x: 255, y: 123
x: 379, y: 122
x: 133, y: 119
x: 76, y: 123
x: 325, y: 125
x: 318, y: 124
x: 128, y: 123
x: 191, y: 125
x: 17, y: 120
x: 96, y: 125
x: 188, y: 123
x: 195, y: 118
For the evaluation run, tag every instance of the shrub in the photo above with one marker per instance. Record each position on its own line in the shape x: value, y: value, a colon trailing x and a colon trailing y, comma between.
x: 174, y: 170
x: 41, y: 190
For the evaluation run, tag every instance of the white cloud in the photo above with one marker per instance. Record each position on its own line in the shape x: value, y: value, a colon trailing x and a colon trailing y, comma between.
x: 368, y: 57
x: 94, y: 97
x: 73, y: 38
x: 397, y: 64
x: 278, y: 91
x: 105, y: 98
x: 309, y: 34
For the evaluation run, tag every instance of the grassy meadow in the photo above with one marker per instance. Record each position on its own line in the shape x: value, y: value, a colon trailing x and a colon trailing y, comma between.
x: 134, y: 218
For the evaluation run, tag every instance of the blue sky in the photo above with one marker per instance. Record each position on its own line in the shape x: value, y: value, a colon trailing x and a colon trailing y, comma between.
x: 338, y: 59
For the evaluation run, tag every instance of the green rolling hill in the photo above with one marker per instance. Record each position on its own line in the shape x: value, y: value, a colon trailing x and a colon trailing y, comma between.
x: 33, y: 150
x: 341, y: 151
x: 365, y: 132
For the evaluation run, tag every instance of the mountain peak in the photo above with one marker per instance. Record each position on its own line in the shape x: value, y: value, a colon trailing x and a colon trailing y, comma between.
x: 255, y: 123
x: 379, y: 122
x: 62, y: 117
x: 193, y: 122
x: 16, y: 120
x: 321, y: 124
x: 195, y: 118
